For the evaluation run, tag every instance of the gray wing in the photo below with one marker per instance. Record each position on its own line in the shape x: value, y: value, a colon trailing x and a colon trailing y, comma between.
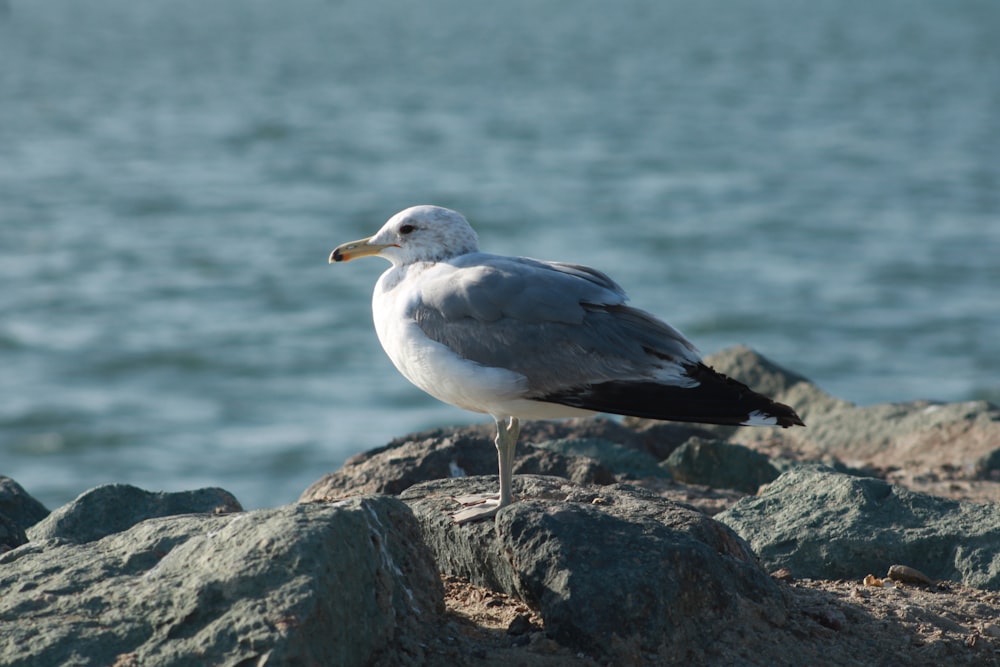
x: 559, y: 325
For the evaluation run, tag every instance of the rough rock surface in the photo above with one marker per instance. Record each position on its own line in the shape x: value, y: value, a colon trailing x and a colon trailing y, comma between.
x: 825, y: 525
x: 112, y: 508
x: 343, y: 584
x: 610, y: 569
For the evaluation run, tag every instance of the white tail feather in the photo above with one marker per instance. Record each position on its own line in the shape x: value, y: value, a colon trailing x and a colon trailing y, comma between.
x: 758, y: 418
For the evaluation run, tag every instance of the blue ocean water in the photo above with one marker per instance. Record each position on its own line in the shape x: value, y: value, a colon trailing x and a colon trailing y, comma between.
x: 820, y: 181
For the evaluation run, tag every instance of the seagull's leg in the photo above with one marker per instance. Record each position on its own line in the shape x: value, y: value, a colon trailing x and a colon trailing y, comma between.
x: 506, y: 443
x: 483, y: 507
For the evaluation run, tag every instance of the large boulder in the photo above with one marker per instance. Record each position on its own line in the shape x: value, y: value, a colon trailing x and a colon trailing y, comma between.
x: 313, y: 584
x: 825, y: 525
x: 113, y: 508
x: 613, y: 571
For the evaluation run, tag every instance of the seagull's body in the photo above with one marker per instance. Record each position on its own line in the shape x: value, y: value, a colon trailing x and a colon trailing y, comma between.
x: 519, y: 338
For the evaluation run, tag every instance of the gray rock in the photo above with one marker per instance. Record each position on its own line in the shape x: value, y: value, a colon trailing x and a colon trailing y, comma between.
x: 440, y: 454
x: 826, y: 525
x: 612, y: 570
x: 944, y: 448
x: 297, y: 585
x: 922, y: 437
x: 720, y: 465
x: 18, y: 512
x: 624, y: 462
x: 919, y: 432
x: 112, y: 508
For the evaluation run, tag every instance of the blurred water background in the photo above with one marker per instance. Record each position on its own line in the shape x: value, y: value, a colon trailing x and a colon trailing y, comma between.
x: 820, y: 181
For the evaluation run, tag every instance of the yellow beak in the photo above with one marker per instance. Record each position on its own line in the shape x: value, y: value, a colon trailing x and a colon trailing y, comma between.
x: 360, y: 248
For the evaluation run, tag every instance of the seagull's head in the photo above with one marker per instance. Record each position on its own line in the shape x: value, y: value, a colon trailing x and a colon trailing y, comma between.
x: 417, y: 234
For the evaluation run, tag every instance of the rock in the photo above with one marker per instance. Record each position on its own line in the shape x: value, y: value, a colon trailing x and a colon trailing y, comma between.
x: 18, y: 512
x: 613, y: 571
x: 112, y: 508
x: 343, y: 584
x: 623, y: 462
x: 720, y: 464
x: 826, y: 525
x: 896, y: 435
x: 922, y: 444
x: 444, y: 453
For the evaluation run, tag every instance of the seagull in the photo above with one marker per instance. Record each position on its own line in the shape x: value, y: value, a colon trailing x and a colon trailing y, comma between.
x: 519, y: 338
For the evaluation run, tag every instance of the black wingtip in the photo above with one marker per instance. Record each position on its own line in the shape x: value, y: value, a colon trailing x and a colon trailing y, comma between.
x: 715, y: 399
x: 785, y: 415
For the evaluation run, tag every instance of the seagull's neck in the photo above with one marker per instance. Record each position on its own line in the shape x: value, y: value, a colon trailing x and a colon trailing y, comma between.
x: 397, y: 273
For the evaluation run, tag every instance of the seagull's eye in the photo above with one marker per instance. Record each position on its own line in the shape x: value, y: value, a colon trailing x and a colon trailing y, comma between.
x: 406, y: 229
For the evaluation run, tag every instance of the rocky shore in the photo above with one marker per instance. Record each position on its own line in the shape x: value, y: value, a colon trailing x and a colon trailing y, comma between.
x: 871, y: 537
